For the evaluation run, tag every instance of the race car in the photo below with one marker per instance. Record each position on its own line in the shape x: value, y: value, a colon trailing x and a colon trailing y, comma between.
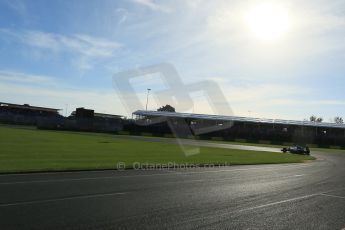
x: 297, y: 150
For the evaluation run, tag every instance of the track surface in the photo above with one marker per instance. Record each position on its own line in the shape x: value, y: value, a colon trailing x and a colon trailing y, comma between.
x: 287, y: 196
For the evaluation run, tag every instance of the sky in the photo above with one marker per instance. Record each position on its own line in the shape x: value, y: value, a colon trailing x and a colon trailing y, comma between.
x: 64, y: 54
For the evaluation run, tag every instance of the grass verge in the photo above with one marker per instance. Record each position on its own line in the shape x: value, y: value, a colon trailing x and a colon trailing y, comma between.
x: 24, y: 150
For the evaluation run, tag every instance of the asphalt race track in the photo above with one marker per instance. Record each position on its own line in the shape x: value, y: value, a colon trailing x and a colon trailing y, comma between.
x: 288, y: 196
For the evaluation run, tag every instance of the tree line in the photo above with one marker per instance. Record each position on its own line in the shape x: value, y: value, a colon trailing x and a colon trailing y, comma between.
x: 338, y: 120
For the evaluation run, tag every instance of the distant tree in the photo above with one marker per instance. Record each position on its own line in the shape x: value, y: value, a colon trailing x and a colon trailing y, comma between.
x: 339, y: 120
x: 319, y: 119
x: 312, y: 118
x: 315, y: 119
x: 166, y: 108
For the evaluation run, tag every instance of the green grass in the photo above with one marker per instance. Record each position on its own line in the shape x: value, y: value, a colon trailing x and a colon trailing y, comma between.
x: 23, y: 150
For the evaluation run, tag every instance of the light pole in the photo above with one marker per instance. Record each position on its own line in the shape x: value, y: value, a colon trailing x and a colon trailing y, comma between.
x: 147, y: 97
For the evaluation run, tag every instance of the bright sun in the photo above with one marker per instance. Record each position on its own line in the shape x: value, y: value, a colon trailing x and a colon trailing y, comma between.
x: 268, y: 22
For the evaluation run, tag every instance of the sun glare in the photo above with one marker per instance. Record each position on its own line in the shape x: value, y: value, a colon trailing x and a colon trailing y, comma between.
x: 268, y: 22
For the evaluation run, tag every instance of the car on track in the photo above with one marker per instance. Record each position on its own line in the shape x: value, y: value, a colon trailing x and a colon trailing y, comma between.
x: 297, y: 150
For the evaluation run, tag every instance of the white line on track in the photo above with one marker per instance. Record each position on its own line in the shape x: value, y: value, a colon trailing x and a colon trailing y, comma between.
x: 150, y: 175
x: 124, y: 193
x: 284, y: 165
x: 279, y: 202
x: 114, y: 177
x: 226, y: 214
x: 335, y: 196
x: 62, y: 199
x: 293, y: 199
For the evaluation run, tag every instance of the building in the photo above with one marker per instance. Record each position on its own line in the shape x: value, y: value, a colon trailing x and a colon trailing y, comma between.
x: 87, y: 120
x: 234, y: 127
x: 82, y: 113
x: 26, y: 114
